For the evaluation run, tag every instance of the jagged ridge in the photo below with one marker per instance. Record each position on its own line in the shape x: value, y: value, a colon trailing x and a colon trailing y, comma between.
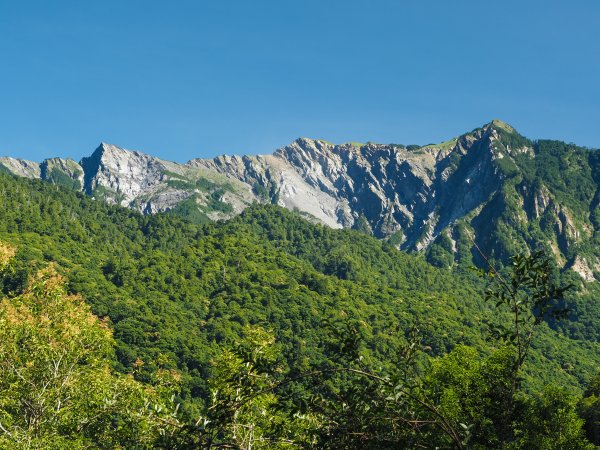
x: 478, y: 188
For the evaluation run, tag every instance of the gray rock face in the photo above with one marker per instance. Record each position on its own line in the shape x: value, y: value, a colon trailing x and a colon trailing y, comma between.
x: 62, y: 171
x: 416, y: 194
x: 416, y: 191
x: 21, y: 167
x: 148, y: 184
x: 124, y: 174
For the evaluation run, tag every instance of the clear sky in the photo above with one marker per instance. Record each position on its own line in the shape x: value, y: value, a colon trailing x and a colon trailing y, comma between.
x: 184, y: 79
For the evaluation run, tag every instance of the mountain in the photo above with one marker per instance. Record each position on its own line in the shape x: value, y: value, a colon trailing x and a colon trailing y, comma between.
x: 174, y: 291
x: 182, y: 301
x: 141, y: 182
x: 488, y: 192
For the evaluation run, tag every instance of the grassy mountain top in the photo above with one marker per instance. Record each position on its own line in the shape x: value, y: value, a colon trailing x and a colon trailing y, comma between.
x: 499, y: 124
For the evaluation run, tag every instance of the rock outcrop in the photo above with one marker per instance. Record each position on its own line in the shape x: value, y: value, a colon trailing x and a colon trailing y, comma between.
x: 394, y: 188
x: 62, y: 171
x: 419, y: 195
x: 21, y: 167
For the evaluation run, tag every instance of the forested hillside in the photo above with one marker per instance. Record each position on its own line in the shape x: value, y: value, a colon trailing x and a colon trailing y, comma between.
x: 490, y: 190
x: 266, y: 298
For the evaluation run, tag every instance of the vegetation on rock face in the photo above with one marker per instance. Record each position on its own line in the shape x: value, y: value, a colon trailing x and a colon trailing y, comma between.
x: 509, y: 192
x: 271, y: 332
x: 547, y: 200
x: 56, y: 176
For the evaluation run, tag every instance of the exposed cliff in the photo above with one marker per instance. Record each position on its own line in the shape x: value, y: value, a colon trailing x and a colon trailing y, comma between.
x: 490, y: 191
x: 20, y: 167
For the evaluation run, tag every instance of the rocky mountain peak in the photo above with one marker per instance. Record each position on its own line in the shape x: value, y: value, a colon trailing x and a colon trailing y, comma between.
x: 109, y: 154
x: 20, y: 167
x: 447, y: 194
x: 62, y: 171
x: 124, y: 173
x: 497, y: 123
x: 67, y: 165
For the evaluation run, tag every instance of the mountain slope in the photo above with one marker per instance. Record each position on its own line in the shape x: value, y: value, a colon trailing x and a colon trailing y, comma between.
x: 174, y: 291
x: 490, y: 191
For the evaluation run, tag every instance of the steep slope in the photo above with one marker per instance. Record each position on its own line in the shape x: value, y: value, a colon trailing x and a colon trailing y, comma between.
x: 149, y: 185
x: 174, y: 291
x: 412, y: 191
x: 65, y: 172
x: 20, y: 167
x: 489, y: 192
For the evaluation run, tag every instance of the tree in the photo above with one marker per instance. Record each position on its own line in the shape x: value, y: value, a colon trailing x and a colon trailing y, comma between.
x: 589, y: 410
x: 57, y: 389
x: 462, y: 399
x: 245, y: 411
x: 549, y: 421
x: 531, y: 296
x: 366, y: 406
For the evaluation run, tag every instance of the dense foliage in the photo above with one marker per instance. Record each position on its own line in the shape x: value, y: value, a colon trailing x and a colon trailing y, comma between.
x: 57, y: 390
x: 341, y: 312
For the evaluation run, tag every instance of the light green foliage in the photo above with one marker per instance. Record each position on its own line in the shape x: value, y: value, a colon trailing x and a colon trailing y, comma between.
x: 509, y: 138
x: 102, y: 193
x: 446, y: 145
x: 441, y: 253
x: 549, y: 421
x: 215, y: 203
x: 178, y: 296
x: 56, y: 386
x: 361, y: 224
x: 190, y: 210
x: 354, y: 144
x: 396, y: 239
x: 244, y: 410
x: 476, y: 391
x: 463, y: 399
x: 205, y: 197
x: 376, y: 408
x: 57, y: 176
x: 7, y: 253
x: 182, y: 184
x: 531, y: 295
x: 566, y: 170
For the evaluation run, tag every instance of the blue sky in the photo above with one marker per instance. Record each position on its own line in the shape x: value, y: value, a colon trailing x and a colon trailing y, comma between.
x: 188, y: 79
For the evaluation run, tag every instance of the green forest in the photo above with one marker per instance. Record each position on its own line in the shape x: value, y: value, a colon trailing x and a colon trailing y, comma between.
x: 125, y: 331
